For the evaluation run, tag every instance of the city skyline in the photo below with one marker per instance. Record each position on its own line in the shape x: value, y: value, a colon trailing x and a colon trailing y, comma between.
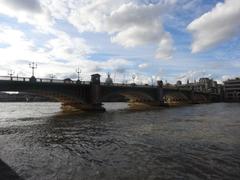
x: 165, y: 39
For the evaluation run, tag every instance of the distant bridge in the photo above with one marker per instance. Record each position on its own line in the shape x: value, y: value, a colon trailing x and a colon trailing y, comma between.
x: 89, y: 95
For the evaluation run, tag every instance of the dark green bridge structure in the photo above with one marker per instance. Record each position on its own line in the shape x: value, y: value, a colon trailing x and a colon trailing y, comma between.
x: 89, y: 95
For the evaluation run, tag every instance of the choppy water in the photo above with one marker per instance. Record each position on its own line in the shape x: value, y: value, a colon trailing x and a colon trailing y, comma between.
x: 191, y: 142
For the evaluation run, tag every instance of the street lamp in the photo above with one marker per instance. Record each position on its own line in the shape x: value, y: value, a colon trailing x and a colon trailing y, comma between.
x: 33, y: 66
x: 133, y: 78
x: 152, y: 78
x: 11, y: 73
x: 51, y: 77
x: 78, y: 71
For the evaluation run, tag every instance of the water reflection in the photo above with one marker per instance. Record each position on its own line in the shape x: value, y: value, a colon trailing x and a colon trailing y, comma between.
x: 191, y: 142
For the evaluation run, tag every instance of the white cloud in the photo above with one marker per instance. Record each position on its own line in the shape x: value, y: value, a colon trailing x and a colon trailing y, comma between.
x: 215, y: 26
x: 227, y: 77
x: 60, y: 46
x: 61, y: 54
x: 143, y: 66
x: 165, y: 47
x: 193, y: 75
x: 19, y: 49
x: 27, y: 11
x: 17, y: 45
x: 92, y: 15
x: 129, y: 24
x: 29, y: 5
x: 66, y: 47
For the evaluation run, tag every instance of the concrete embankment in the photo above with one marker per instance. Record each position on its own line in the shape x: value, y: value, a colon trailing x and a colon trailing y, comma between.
x: 6, y: 173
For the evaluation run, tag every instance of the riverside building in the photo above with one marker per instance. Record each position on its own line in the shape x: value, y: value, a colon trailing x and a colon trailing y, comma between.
x: 232, y: 90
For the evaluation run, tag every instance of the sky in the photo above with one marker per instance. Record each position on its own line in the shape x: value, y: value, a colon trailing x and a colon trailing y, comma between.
x: 152, y: 39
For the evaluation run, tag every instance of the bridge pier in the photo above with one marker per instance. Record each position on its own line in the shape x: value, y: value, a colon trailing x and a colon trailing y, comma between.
x: 95, y: 95
x: 33, y: 79
x: 160, y: 93
x: 192, y: 96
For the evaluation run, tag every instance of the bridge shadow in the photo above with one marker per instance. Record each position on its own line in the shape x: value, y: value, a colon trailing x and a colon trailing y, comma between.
x: 7, y: 173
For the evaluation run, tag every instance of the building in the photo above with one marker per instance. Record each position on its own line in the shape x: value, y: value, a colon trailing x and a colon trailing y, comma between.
x: 179, y: 83
x: 203, y: 85
x: 68, y: 81
x: 232, y: 90
x: 109, y: 80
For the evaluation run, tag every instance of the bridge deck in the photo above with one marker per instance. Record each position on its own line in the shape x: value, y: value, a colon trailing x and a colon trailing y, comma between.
x: 71, y: 82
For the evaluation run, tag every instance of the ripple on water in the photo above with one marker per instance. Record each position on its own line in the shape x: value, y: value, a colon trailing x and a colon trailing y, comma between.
x: 194, y: 142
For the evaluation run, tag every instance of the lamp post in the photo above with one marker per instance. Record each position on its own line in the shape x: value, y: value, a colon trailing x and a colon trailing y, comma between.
x: 133, y: 78
x: 78, y: 71
x: 33, y: 66
x: 11, y: 73
x: 51, y: 77
x: 124, y: 78
x: 152, y: 78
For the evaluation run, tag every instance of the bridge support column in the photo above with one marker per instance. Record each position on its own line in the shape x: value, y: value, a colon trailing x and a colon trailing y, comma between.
x: 33, y: 79
x: 95, y: 100
x: 160, y: 92
x: 192, y: 96
x: 210, y: 98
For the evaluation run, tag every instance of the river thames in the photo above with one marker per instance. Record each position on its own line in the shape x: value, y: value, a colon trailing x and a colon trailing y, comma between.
x: 191, y: 142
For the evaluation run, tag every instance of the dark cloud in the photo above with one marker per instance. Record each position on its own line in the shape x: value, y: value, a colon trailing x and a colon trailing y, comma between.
x: 120, y: 70
x: 28, y: 5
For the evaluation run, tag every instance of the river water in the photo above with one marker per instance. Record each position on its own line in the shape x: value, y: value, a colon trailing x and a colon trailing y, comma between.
x: 192, y: 142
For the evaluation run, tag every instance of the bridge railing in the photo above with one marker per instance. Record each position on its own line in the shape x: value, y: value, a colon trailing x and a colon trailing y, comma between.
x: 42, y: 80
x: 14, y: 78
x: 128, y: 85
x: 69, y: 81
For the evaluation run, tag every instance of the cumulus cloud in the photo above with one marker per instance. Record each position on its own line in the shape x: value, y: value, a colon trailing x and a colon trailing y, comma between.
x: 29, y: 5
x: 165, y: 48
x: 59, y: 46
x: 143, y: 66
x: 227, y: 77
x: 63, y: 46
x: 27, y: 11
x: 215, y: 26
x: 19, y: 50
x: 17, y: 46
x: 129, y: 24
x: 61, y: 54
x: 193, y: 75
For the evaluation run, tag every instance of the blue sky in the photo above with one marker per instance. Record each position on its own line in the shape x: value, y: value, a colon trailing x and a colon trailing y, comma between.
x: 161, y: 39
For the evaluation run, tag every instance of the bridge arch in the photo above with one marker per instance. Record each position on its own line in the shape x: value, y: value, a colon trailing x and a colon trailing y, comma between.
x: 69, y: 95
x: 67, y: 101
x: 132, y: 96
x: 175, y: 98
x: 200, y: 98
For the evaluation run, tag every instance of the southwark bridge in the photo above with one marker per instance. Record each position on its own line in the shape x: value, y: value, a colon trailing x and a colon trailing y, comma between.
x: 89, y: 95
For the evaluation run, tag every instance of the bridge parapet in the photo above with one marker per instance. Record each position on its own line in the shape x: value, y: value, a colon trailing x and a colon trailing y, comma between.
x: 89, y: 95
x: 51, y: 80
x: 41, y: 80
